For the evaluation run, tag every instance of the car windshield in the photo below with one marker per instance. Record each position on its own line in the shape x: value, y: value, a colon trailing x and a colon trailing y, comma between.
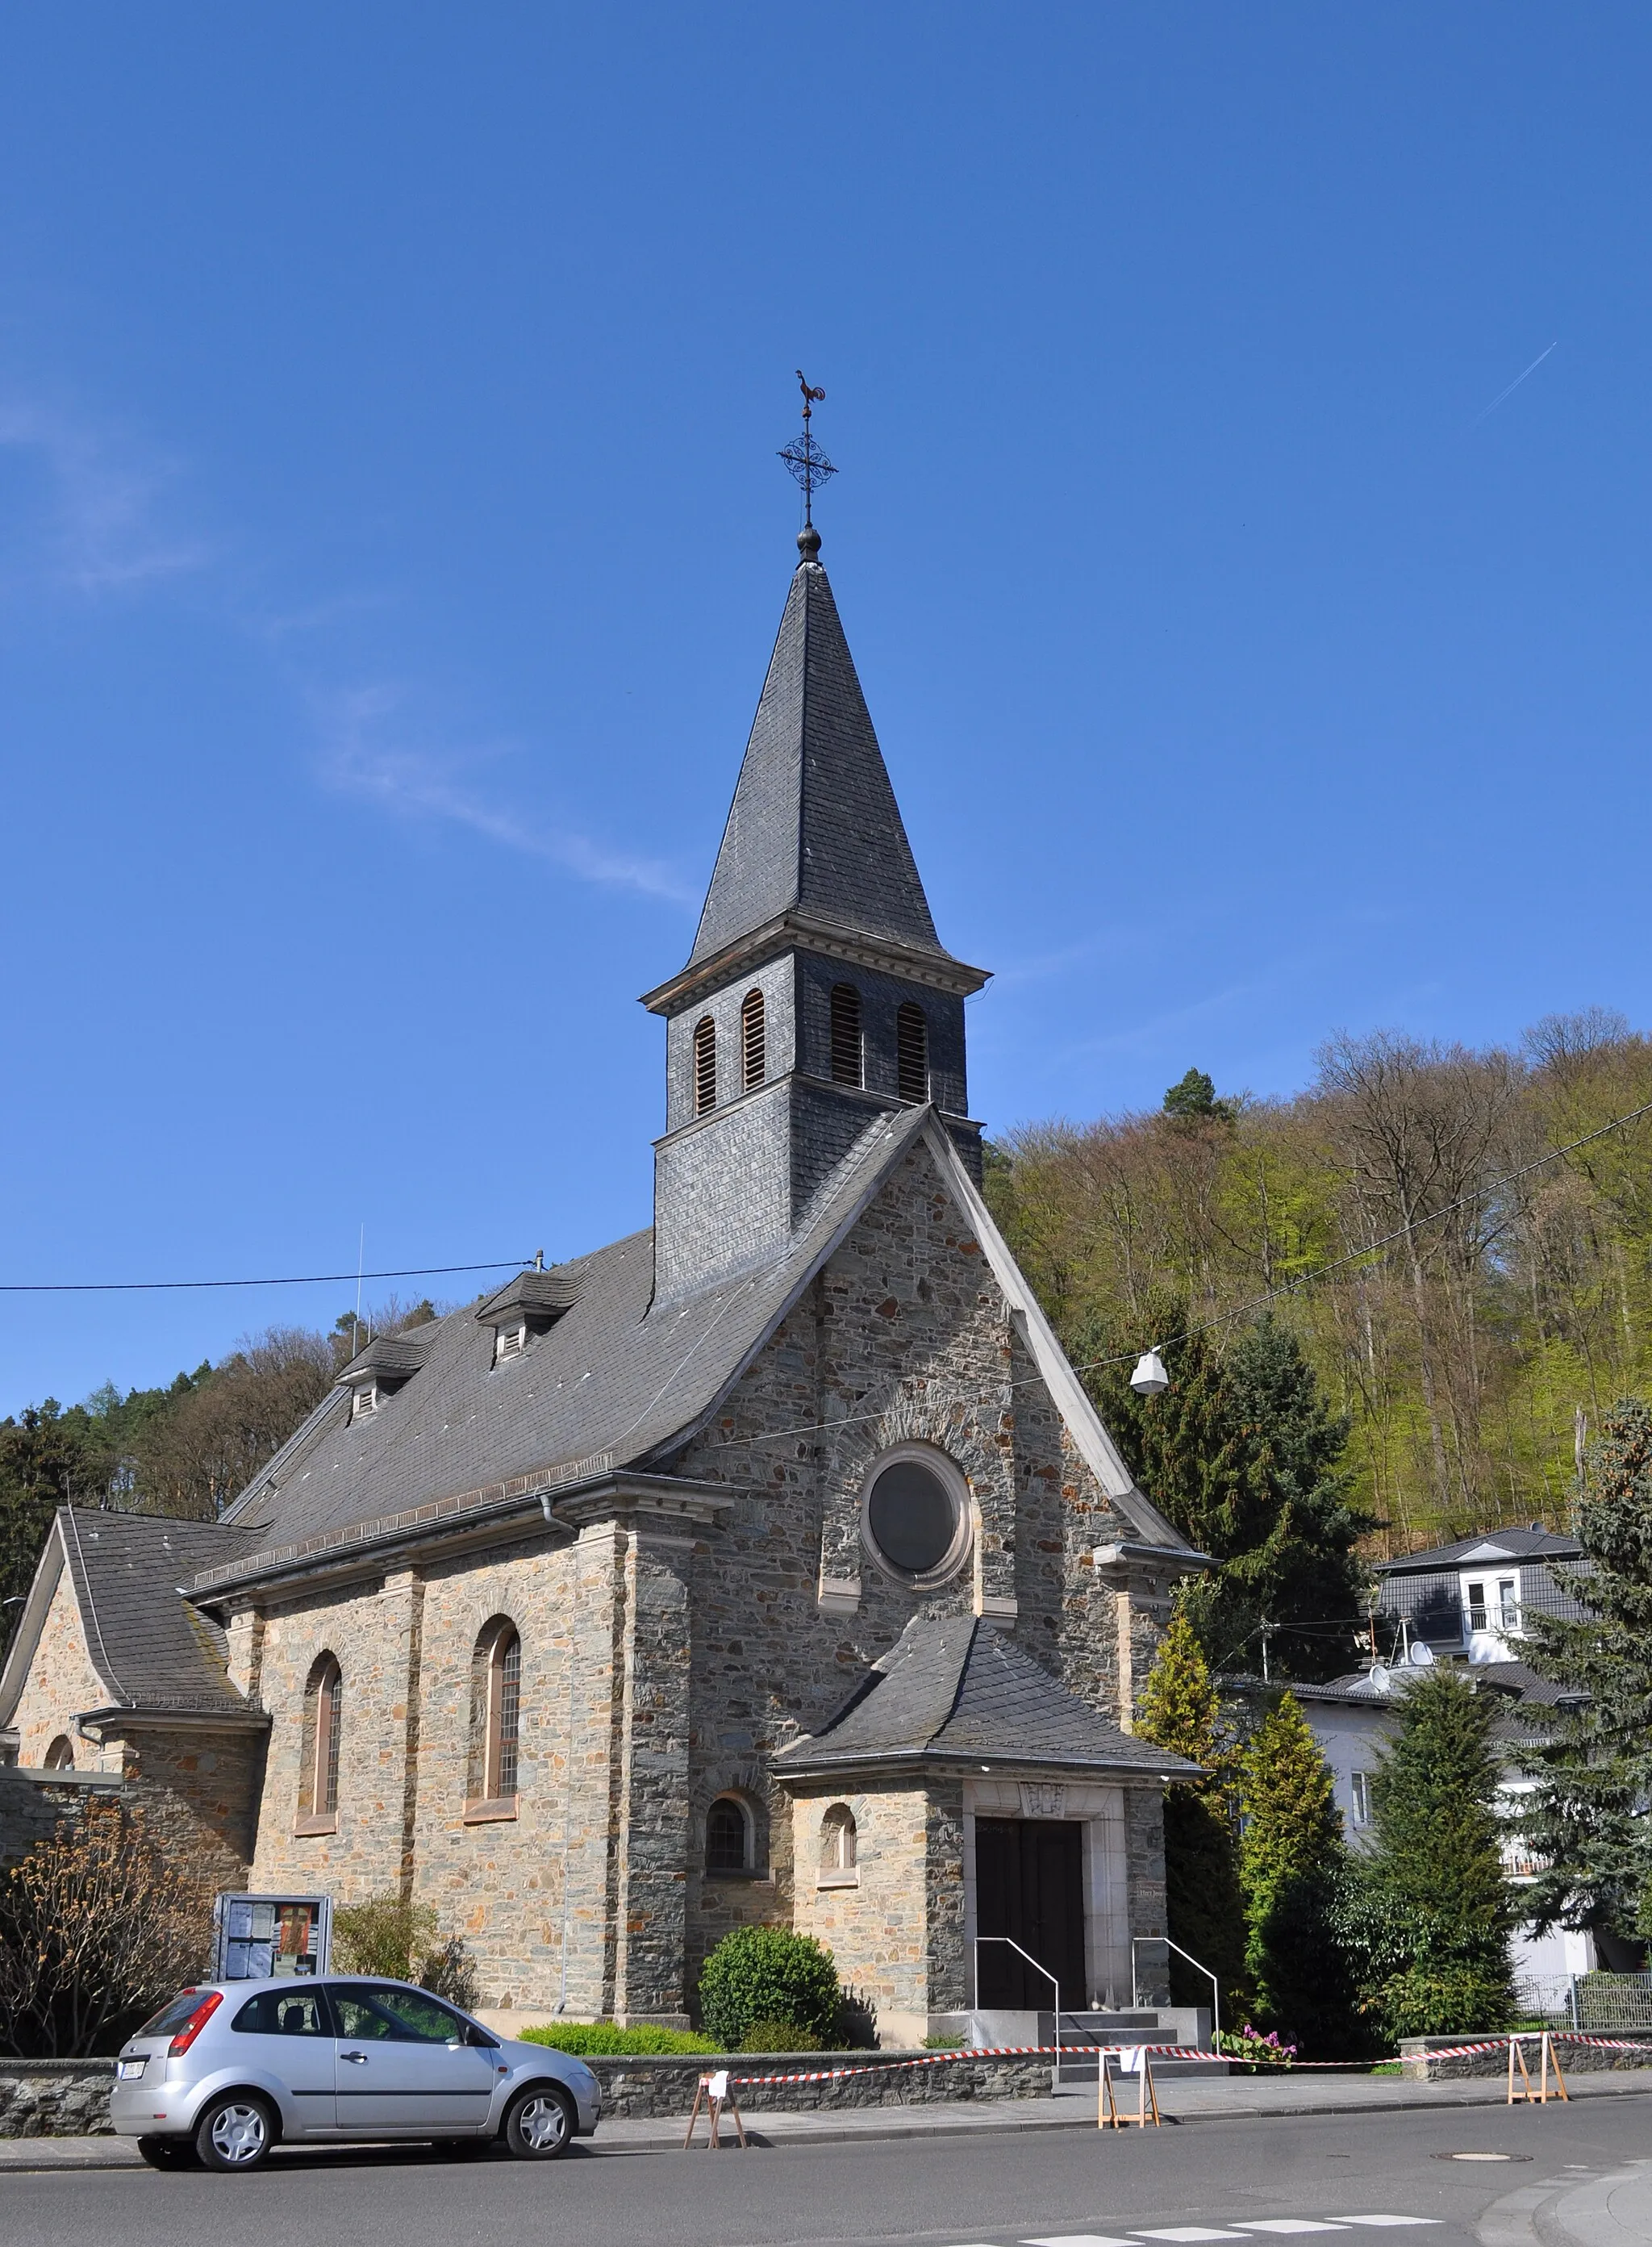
x: 382, y: 2011
x: 172, y: 2016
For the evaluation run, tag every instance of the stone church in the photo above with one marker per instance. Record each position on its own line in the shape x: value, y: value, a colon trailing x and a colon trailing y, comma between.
x: 768, y: 1565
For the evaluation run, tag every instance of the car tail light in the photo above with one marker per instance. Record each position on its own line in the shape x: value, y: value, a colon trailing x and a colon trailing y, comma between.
x: 197, y: 2021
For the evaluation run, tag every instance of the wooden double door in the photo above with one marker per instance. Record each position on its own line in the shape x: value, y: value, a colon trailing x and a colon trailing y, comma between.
x: 1029, y: 1885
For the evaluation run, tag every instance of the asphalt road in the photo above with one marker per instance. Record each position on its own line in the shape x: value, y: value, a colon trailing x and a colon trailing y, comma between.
x: 1215, y: 2177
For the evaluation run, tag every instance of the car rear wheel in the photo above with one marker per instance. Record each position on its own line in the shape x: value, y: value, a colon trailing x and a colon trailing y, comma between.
x: 235, y: 2132
x: 169, y: 2152
x: 540, y: 2125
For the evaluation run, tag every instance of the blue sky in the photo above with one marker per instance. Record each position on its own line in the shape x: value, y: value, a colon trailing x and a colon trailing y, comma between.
x: 392, y: 540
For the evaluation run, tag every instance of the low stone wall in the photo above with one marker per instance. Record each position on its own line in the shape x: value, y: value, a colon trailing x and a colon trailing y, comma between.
x: 1420, y: 2059
x: 651, y: 2085
x: 70, y: 2098
x: 55, y: 2098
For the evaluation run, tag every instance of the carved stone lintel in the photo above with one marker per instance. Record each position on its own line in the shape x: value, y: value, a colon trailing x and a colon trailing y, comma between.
x: 1043, y: 1799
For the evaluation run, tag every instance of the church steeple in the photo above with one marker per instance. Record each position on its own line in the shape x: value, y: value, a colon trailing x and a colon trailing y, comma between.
x: 818, y: 996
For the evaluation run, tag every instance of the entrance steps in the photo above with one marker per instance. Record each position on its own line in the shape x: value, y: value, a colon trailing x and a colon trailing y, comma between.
x: 1182, y: 2024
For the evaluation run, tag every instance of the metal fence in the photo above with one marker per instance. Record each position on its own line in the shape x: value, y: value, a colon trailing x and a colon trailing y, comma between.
x: 1601, y: 2003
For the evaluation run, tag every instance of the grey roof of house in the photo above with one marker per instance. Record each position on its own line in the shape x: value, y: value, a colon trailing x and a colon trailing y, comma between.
x: 1516, y: 1679
x: 1518, y: 1544
x: 958, y: 1690
x: 150, y: 1646
x: 813, y: 827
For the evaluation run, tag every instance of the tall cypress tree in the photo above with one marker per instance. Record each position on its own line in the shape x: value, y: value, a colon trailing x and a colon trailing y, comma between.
x: 1436, y: 1900
x: 1290, y: 1861
x: 1589, y: 1818
x: 1204, y: 1911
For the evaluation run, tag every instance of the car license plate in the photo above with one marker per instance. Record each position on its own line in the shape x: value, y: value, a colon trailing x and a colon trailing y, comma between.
x: 131, y: 2068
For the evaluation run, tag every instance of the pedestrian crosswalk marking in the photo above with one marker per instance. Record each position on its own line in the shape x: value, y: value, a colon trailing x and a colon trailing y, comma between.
x: 1195, y: 2235
x: 1186, y: 2234
x: 1288, y: 2224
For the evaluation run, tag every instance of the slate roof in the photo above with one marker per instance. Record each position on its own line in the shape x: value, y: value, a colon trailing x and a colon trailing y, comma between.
x: 813, y: 827
x: 957, y: 1690
x: 152, y: 1650
x: 1516, y: 1544
x: 619, y: 1382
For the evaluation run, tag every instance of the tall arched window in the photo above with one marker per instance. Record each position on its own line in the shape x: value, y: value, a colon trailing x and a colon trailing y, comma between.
x: 728, y: 1836
x: 911, y: 1053
x: 845, y: 1033
x: 705, y: 1066
x: 496, y: 1711
x: 60, y: 1754
x: 753, y: 1059
x: 323, y: 1734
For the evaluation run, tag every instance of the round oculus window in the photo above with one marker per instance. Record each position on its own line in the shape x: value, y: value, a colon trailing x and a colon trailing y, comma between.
x: 914, y: 1520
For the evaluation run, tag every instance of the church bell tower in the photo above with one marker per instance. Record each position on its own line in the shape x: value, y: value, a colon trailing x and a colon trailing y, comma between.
x: 817, y: 999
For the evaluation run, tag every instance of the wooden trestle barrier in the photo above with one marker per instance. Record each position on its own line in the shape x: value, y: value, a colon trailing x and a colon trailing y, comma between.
x: 1551, y: 2058
x: 715, y: 2090
x: 1109, y: 2113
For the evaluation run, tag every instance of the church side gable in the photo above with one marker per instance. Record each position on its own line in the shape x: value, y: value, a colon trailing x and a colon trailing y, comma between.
x: 60, y: 1681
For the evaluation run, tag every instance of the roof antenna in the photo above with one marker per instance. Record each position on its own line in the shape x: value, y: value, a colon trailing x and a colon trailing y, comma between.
x: 361, y: 1258
x: 539, y: 1260
x: 808, y: 466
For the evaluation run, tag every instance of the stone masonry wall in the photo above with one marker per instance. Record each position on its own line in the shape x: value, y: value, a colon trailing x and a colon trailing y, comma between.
x: 61, y: 1682
x: 876, y: 1930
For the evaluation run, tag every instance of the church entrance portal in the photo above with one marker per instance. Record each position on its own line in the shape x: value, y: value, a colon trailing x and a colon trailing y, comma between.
x: 1029, y: 1885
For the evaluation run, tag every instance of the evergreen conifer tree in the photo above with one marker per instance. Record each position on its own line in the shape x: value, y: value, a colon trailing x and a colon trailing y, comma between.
x: 1290, y: 1863
x: 1204, y: 1911
x: 1436, y: 1901
x: 1589, y: 1818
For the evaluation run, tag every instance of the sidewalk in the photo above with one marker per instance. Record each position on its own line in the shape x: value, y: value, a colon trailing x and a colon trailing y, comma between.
x: 1200, y: 2100
x: 1603, y: 2212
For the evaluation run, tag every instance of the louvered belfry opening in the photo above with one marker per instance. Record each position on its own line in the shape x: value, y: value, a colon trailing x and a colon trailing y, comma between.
x: 753, y: 1060
x: 846, y: 1034
x: 705, y: 1066
x: 911, y: 1053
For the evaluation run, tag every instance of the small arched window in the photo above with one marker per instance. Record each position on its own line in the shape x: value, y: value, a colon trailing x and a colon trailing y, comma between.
x: 705, y: 1066
x: 728, y: 1836
x: 323, y: 1735
x: 911, y: 1053
x: 60, y: 1754
x: 753, y: 1058
x: 496, y: 1713
x: 837, y: 1838
x: 845, y: 1035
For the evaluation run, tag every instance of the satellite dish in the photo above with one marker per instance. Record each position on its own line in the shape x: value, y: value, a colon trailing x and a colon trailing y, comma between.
x: 1421, y: 1655
x: 1150, y: 1377
x: 1380, y: 1676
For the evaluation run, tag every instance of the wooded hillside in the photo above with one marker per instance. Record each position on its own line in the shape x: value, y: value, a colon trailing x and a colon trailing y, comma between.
x: 1462, y: 1353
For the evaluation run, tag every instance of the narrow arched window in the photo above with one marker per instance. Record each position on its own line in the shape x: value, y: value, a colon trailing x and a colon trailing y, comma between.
x: 837, y: 1838
x: 753, y: 1059
x: 323, y: 1734
x: 911, y: 1053
x: 705, y: 1065
x: 728, y: 1836
x: 845, y: 1035
x: 60, y: 1754
x: 495, y: 1715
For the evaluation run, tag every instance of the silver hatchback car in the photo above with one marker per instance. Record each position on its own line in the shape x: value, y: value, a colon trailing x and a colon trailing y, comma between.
x: 229, y: 2069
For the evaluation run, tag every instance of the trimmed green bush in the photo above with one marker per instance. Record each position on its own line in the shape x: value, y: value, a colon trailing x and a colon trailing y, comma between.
x: 779, y: 2036
x: 767, y: 1974
x: 587, y: 2036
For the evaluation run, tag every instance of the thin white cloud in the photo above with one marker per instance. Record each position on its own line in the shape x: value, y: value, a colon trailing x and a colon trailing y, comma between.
x: 99, y: 531
x: 362, y: 759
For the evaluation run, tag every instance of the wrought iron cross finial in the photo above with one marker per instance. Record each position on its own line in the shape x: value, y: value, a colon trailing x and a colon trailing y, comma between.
x: 808, y: 463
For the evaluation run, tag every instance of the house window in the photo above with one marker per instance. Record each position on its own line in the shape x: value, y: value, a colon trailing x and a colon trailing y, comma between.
x: 753, y: 1057
x: 60, y: 1754
x: 510, y: 1341
x: 1361, y: 1787
x: 495, y: 1720
x: 728, y: 1836
x: 364, y: 1399
x: 705, y: 1066
x: 1508, y: 1603
x: 322, y: 1732
x: 911, y: 1053
x: 1476, y: 1607
x: 837, y: 1838
x: 846, y: 1034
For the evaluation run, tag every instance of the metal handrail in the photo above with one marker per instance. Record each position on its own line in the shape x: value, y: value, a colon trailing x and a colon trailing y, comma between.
x: 1198, y: 1965
x: 1055, y: 2072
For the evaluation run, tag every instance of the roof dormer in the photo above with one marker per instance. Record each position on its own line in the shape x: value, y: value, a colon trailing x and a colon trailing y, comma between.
x: 374, y: 1374
x: 526, y: 1307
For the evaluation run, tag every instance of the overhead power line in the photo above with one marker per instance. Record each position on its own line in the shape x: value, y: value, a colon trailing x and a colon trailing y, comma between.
x: 287, y: 1279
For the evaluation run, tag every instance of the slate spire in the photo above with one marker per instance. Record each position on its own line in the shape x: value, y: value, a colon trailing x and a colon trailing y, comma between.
x: 814, y: 829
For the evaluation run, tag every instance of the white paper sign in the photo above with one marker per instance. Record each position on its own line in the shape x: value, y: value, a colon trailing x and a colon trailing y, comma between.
x: 718, y: 2084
